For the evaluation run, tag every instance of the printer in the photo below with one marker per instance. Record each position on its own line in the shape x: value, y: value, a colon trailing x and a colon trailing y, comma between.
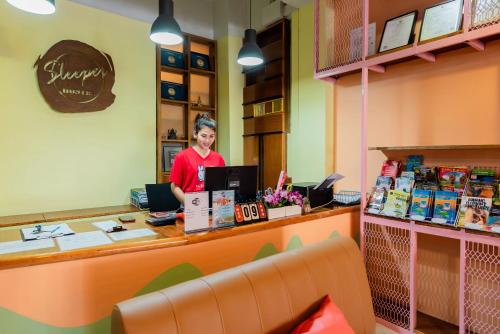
x: 317, y: 197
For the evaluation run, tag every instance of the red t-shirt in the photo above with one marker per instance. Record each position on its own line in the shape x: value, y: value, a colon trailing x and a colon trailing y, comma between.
x: 188, y: 171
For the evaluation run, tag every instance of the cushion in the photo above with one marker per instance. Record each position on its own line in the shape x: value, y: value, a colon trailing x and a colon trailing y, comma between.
x: 327, y: 319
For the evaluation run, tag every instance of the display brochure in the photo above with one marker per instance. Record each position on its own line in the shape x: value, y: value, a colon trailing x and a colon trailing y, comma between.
x: 356, y: 42
x: 482, y: 174
x: 396, y: 204
x: 474, y: 212
x: 196, y: 212
x: 404, y: 183
x: 441, y: 19
x: 414, y: 161
x: 426, y: 178
x: 398, y: 32
x: 480, y: 189
x: 445, y: 207
x: 376, y: 200
x: 453, y: 178
x: 408, y: 174
x: 494, y: 218
x: 281, y: 181
x: 223, y: 208
x: 390, y: 168
x: 384, y: 182
x: 47, y: 231
x: 421, y: 204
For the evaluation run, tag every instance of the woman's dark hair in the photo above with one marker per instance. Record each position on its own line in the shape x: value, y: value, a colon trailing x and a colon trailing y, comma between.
x: 202, y: 120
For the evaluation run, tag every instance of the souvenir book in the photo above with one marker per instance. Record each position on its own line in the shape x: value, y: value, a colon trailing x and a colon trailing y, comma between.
x: 453, y: 178
x: 482, y: 174
x: 376, y: 200
x: 404, y: 183
x: 414, y: 161
x: 384, y: 182
x: 421, y: 204
x: 445, y: 207
x: 408, y: 174
x: 474, y: 212
x: 425, y: 175
x: 480, y: 189
x: 222, y: 208
x: 396, y: 204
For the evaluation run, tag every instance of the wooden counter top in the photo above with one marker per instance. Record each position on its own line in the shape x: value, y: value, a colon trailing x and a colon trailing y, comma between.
x: 167, y: 236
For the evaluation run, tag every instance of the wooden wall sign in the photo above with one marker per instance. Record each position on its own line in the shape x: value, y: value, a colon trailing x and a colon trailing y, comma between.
x: 76, y: 77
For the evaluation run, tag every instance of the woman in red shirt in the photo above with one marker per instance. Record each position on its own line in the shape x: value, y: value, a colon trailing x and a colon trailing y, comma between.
x: 188, y: 171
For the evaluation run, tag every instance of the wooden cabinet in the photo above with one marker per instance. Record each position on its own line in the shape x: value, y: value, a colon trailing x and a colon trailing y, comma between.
x: 186, y: 85
x: 266, y: 98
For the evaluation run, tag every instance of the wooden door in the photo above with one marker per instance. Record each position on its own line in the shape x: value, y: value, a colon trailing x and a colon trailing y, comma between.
x: 273, y: 158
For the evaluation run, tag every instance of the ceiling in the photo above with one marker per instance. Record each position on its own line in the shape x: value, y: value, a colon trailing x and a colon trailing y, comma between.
x: 143, y: 10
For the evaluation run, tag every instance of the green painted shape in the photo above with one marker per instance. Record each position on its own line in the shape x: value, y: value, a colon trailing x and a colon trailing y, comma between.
x: 334, y: 234
x: 13, y: 323
x: 266, y: 250
x: 175, y: 275
x: 294, y: 243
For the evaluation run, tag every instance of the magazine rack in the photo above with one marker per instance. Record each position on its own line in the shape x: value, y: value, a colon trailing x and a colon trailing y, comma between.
x: 394, y: 248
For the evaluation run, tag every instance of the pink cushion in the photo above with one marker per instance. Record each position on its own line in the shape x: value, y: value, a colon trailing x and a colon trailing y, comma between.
x: 327, y: 319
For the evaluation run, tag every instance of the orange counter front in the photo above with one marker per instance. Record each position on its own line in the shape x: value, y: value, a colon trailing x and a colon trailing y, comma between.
x: 49, y: 291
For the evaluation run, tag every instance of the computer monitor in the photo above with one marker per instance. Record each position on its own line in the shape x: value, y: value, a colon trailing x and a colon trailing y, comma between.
x: 161, y: 198
x: 241, y: 179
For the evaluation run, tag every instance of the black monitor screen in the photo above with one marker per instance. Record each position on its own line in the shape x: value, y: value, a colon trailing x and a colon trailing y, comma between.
x: 241, y: 179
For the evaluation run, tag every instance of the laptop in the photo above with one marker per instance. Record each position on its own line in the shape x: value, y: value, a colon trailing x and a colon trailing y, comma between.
x: 161, y: 198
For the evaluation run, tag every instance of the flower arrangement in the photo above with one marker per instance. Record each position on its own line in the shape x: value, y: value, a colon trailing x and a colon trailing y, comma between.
x: 280, y: 198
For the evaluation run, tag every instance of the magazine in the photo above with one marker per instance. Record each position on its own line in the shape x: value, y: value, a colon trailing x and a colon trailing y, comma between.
x: 396, y: 204
x: 390, y: 168
x: 445, y: 207
x: 421, y: 204
x: 474, y: 212
x: 384, y: 182
x: 376, y: 200
x: 494, y: 218
x: 480, y: 189
x: 404, y: 183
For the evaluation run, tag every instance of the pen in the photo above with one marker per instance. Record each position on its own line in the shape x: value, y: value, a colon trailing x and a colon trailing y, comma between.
x: 58, y: 226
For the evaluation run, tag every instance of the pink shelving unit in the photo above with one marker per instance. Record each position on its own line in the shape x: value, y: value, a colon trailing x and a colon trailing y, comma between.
x: 390, y: 246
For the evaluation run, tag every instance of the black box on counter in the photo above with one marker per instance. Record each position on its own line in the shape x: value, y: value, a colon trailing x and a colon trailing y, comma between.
x: 317, y: 197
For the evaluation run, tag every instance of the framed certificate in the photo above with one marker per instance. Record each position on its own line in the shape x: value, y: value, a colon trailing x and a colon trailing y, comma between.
x: 398, y: 31
x: 441, y: 19
x: 170, y: 150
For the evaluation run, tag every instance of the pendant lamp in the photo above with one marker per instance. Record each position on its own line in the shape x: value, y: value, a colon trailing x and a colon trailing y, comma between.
x: 35, y: 6
x: 250, y: 53
x: 165, y: 29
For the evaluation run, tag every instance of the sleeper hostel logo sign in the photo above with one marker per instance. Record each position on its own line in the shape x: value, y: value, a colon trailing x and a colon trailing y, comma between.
x: 76, y: 77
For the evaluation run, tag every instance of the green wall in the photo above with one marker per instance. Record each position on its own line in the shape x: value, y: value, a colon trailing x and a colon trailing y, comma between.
x: 310, y: 141
x: 55, y: 161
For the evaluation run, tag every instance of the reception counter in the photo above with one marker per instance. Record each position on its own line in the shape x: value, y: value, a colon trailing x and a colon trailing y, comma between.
x: 50, y: 291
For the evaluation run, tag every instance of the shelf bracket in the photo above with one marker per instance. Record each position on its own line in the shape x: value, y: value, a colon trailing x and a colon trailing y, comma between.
x: 427, y: 56
x: 377, y: 68
x: 331, y: 80
x: 476, y: 44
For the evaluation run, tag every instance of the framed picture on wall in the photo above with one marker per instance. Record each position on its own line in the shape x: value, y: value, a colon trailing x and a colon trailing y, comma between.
x: 485, y: 12
x: 442, y: 19
x: 170, y: 150
x: 398, y: 31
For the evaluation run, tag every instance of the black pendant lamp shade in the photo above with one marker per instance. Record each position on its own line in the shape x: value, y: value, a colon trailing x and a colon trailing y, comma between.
x: 250, y: 53
x: 165, y: 29
x: 35, y: 6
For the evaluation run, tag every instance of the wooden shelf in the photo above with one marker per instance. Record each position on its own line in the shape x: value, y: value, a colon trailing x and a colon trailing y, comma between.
x: 175, y: 141
x: 173, y: 69
x: 476, y: 39
x: 200, y: 71
x: 202, y: 108
x: 437, y: 147
x: 427, y: 324
x: 174, y: 102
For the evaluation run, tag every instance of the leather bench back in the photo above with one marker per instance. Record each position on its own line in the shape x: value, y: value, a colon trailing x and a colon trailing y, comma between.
x: 271, y: 295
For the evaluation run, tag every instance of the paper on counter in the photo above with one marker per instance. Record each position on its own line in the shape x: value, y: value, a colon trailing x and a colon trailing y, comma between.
x: 83, y: 240
x: 48, y: 231
x: 105, y: 225
x: 24, y: 246
x: 131, y: 234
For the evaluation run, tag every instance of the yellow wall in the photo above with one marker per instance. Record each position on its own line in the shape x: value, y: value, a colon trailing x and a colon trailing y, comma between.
x: 310, y: 141
x: 55, y: 161
x: 230, y: 85
x: 453, y: 101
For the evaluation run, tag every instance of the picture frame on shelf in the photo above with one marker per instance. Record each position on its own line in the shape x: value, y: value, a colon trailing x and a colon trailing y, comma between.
x: 170, y: 150
x: 485, y: 12
x: 398, y: 31
x: 441, y: 19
